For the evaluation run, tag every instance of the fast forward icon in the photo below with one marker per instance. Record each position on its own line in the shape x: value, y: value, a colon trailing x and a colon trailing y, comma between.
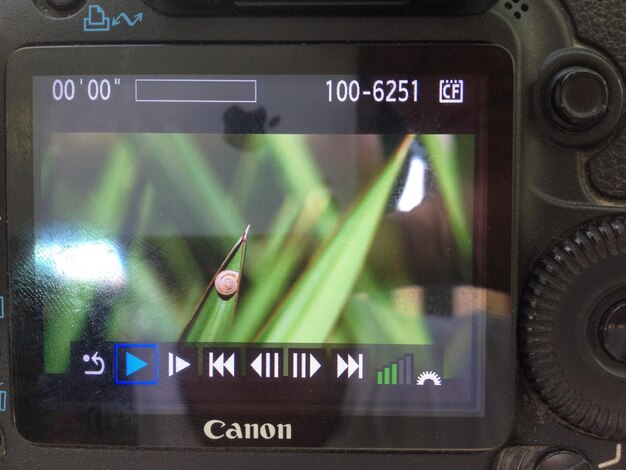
x: 350, y: 364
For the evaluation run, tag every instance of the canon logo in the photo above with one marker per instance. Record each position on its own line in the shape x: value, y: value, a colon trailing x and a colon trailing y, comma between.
x: 216, y: 429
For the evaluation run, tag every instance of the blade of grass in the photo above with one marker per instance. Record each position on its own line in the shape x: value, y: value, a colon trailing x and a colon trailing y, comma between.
x: 192, y: 181
x: 108, y: 205
x: 312, y: 307
x: 296, y: 163
x: 145, y: 302
x: 213, y: 313
x: 443, y: 157
x: 274, y: 276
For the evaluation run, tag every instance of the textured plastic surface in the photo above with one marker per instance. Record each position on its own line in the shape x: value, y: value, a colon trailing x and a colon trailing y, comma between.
x: 325, y: 7
x: 601, y: 23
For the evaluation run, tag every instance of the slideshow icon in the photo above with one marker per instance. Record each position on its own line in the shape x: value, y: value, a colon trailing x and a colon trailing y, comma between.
x: 175, y: 364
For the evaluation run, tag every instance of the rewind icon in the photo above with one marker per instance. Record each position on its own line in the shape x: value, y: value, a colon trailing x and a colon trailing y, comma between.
x: 221, y: 363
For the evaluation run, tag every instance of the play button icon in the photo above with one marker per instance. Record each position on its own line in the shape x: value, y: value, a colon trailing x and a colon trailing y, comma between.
x: 136, y: 364
x: 133, y: 364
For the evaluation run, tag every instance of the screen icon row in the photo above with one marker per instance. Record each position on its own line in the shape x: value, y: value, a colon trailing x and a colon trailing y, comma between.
x: 151, y: 364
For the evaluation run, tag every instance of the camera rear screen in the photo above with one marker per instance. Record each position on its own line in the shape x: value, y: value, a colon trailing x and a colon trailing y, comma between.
x: 266, y: 253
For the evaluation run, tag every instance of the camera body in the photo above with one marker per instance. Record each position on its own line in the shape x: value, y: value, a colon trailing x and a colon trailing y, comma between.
x: 566, y: 378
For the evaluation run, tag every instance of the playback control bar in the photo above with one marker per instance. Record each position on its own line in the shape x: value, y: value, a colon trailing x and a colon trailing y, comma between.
x: 151, y: 364
x: 152, y: 376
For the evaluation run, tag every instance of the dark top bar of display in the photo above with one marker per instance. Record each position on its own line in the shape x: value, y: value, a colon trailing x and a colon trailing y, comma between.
x: 249, y: 104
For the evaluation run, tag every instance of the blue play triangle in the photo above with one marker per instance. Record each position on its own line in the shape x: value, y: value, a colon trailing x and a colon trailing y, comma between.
x: 133, y: 364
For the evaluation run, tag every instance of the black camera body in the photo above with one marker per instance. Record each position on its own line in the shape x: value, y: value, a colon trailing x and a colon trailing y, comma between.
x: 553, y: 361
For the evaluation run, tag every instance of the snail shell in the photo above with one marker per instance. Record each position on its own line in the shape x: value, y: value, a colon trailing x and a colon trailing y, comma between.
x: 227, y: 283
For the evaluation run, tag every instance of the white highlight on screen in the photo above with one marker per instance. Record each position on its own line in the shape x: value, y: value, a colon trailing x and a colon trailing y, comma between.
x: 413, y: 192
x: 94, y: 261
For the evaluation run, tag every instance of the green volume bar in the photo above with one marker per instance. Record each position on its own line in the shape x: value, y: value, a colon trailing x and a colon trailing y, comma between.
x: 399, y: 372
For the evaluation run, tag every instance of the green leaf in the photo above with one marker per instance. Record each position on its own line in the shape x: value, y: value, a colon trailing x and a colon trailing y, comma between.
x: 188, y: 178
x: 312, y: 307
x: 66, y: 316
x: 274, y: 274
x: 108, y: 205
x: 214, y: 314
x: 444, y: 160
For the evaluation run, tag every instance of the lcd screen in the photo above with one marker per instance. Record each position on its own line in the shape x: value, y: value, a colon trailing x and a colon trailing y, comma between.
x: 282, y: 245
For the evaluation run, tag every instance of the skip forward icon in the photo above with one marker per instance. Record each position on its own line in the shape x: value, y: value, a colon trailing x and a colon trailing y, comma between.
x: 349, y: 364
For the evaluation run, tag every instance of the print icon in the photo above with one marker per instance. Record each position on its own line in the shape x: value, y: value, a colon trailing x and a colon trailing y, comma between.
x: 96, y: 20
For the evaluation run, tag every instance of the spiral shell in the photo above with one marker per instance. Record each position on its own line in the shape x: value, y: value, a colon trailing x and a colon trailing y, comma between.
x: 227, y: 283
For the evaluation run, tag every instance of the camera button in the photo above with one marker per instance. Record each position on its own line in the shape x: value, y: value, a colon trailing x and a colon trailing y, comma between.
x: 613, y: 332
x: 580, y: 97
x: 63, y: 4
x: 561, y: 459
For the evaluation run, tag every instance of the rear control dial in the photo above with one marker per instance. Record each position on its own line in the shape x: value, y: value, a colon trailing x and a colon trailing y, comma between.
x: 572, y: 328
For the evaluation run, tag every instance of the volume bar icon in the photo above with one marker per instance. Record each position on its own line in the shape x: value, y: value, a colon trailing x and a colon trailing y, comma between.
x: 399, y: 372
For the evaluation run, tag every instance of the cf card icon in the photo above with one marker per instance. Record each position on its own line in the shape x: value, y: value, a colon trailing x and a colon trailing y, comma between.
x: 450, y: 91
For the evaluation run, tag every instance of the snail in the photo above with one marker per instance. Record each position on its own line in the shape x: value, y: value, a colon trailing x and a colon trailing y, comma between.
x: 227, y: 283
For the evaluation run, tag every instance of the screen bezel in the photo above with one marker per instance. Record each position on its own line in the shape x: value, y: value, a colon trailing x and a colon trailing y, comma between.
x: 494, y: 186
